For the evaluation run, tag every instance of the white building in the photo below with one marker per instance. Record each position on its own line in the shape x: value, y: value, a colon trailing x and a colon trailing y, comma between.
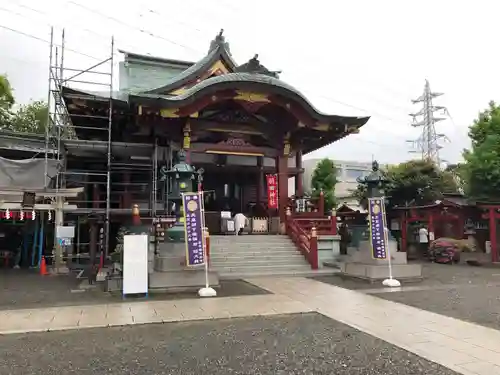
x: 347, y: 174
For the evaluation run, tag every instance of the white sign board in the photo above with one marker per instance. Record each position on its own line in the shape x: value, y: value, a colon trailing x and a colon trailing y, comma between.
x: 65, y: 231
x: 135, y: 264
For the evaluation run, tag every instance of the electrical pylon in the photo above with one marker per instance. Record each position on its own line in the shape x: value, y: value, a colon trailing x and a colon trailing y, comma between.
x: 428, y: 143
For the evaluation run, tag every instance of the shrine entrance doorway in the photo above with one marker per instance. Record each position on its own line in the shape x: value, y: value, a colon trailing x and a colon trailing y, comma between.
x: 228, y: 189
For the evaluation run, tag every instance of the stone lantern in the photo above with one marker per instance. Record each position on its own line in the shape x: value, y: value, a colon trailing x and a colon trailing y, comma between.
x: 182, y: 176
x: 169, y: 270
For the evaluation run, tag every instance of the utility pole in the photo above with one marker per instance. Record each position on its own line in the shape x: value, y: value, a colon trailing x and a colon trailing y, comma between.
x: 427, y: 144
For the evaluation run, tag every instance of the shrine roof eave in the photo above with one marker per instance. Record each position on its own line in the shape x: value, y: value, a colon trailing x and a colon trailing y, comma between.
x: 119, y: 97
x: 487, y: 204
x: 444, y: 202
x: 242, y: 81
x: 219, y: 52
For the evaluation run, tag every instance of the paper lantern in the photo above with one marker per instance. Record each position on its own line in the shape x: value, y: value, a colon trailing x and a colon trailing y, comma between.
x: 7, y: 213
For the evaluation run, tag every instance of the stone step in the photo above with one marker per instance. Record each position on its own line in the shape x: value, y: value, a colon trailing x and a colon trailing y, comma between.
x: 255, y: 254
x: 236, y: 248
x: 263, y: 268
x: 272, y: 273
x: 249, y: 239
x: 257, y: 263
x: 266, y: 256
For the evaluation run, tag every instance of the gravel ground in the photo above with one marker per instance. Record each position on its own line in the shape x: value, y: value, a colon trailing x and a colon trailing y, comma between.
x: 475, y: 303
x: 459, y: 291
x: 435, y: 275
x: 21, y: 289
x: 291, y: 344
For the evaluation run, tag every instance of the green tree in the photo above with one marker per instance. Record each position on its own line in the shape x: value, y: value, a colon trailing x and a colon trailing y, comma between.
x: 6, y: 100
x: 324, y: 179
x: 30, y: 118
x: 481, y: 170
x: 413, y: 182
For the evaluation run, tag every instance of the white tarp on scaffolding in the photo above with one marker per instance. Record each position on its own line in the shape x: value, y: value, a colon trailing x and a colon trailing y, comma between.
x: 25, y: 174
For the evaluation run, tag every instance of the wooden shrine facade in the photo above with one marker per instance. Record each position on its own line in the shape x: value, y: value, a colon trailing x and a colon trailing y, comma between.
x: 236, y: 122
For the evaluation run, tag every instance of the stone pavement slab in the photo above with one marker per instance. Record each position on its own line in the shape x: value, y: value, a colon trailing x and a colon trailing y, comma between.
x: 461, y: 346
x: 121, y: 314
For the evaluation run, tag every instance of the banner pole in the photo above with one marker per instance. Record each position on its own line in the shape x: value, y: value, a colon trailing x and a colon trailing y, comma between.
x: 203, y: 238
x: 390, y: 282
x: 207, y: 291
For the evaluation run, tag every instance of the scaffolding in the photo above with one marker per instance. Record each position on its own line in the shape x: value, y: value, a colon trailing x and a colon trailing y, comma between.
x: 139, y: 161
x: 60, y: 127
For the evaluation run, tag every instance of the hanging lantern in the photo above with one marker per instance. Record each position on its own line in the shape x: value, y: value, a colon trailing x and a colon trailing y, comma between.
x: 7, y: 213
x: 21, y: 215
x: 33, y: 215
x: 50, y: 215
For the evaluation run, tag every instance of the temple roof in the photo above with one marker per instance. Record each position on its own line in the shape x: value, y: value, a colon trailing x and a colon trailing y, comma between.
x: 216, y: 83
x: 219, y: 51
x: 259, y: 82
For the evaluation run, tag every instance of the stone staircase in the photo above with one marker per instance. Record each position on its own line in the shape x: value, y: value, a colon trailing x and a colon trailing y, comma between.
x: 235, y: 257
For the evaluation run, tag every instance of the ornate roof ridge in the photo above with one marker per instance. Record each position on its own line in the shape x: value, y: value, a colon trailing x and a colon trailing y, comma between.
x: 219, y: 49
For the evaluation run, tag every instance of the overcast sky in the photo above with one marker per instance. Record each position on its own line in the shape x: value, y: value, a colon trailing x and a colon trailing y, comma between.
x: 356, y: 57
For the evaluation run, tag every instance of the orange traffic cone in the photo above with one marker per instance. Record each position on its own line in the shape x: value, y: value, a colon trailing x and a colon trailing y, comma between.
x: 43, y: 267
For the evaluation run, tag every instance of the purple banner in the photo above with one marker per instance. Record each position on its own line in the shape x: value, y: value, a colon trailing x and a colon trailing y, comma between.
x: 193, y: 228
x: 377, y: 220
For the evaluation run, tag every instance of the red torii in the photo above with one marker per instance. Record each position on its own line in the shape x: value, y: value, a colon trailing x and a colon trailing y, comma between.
x: 493, y: 215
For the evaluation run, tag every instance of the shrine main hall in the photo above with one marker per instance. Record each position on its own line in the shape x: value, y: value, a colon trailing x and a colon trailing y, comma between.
x: 237, y: 124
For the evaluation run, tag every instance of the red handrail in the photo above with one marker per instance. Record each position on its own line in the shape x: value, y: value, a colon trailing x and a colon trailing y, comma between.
x: 307, y: 243
x: 326, y: 226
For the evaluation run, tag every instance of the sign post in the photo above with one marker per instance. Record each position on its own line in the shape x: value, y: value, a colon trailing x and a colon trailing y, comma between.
x: 379, y: 236
x: 194, y: 226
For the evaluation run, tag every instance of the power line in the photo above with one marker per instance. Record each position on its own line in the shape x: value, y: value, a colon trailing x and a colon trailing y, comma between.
x: 123, y: 23
x: 47, y: 42
x: 144, y: 31
x: 48, y: 24
x: 159, y: 14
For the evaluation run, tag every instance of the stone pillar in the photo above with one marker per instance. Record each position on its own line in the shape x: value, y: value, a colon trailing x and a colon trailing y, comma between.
x: 299, y: 182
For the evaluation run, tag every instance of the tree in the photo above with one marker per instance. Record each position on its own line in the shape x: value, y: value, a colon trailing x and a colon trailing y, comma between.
x: 413, y: 182
x: 481, y: 170
x: 324, y: 179
x: 6, y: 100
x: 30, y: 118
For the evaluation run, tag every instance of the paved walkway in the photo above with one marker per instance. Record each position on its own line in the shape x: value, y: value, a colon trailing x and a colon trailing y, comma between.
x: 464, y: 347
x: 461, y: 346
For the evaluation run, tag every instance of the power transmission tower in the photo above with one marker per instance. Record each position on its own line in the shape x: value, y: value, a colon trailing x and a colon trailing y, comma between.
x: 428, y: 143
